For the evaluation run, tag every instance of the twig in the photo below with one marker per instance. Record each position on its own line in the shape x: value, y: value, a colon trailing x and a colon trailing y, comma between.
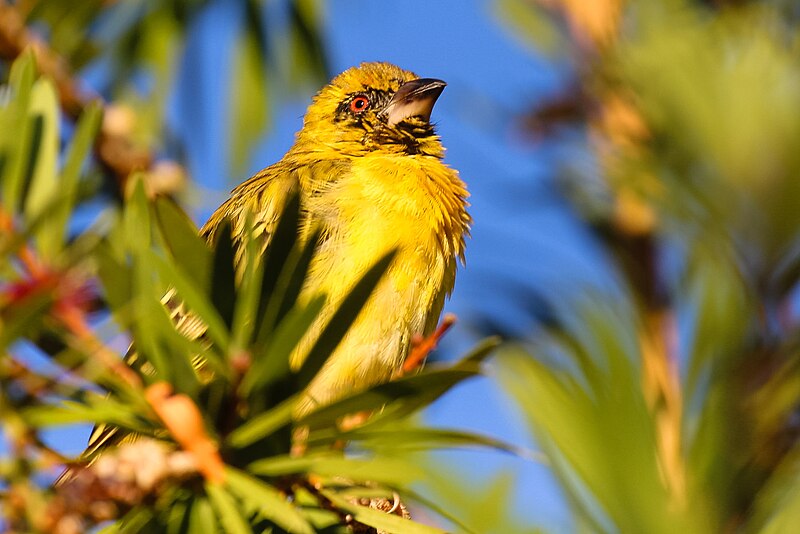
x: 115, y: 152
x: 423, y: 346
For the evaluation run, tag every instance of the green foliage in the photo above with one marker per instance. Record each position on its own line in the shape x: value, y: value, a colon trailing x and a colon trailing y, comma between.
x: 671, y: 405
x: 148, y: 39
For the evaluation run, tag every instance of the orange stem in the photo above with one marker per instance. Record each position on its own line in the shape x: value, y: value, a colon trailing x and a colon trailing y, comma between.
x: 422, y: 347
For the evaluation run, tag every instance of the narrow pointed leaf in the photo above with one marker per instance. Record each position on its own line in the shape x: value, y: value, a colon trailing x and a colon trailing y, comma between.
x: 263, y: 425
x: 43, y: 186
x: 380, y: 520
x: 267, y: 501
x: 195, y: 300
x: 223, y: 275
x: 342, y: 320
x: 16, y: 133
x: 281, y: 243
x: 405, y: 395
x: 230, y: 516
x: 79, y: 149
x: 183, y: 241
x: 272, y: 364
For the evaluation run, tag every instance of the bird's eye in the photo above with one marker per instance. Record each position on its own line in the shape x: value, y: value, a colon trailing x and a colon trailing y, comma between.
x: 359, y: 104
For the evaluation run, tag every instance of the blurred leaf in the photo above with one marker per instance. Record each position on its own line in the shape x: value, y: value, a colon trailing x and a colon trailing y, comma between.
x: 231, y: 517
x: 43, y: 186
x: 182, y: 240
x: 77, y: 153
x: 778, y: 505
x: 249, y: 110
x: 281, y: 243
x: 263, y: 424
x: 94, y: 409
x: 223, y: 275
x: 267, y: 502
x: 530, y: 21
x: 394, y: 472
x: 117, y: 282
x: 380, y: 520
x: 250, y: 268
x: 16, y: 134
x: 136, y: 218
x: 201, y: 517
x: 23, y: 319
x: 397, y: 437
x: 195, y: 300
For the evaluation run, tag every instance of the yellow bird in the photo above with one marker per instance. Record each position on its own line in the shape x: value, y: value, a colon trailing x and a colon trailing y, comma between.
x: 368, y: 168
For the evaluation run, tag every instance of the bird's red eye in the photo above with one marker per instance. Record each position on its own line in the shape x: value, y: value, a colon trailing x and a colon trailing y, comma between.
x: 359, y: 104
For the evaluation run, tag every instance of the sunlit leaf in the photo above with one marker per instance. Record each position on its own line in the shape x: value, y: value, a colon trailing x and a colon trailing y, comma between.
x: 17, y: 132
x: 43, y: 186
x: 230, y: 515
x: 263, y: 424
x: 381, y: 520
x: 266, y: 501
x: 406, y: 395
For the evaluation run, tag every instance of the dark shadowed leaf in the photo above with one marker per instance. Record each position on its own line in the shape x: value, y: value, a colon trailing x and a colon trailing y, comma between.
x: 223, y: 274
x: 182, y: 240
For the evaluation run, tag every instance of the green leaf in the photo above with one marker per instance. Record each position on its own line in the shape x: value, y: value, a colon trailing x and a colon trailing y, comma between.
x: 393, y: 472
x: 380, y: 520
x: 249, y: 110
x: 195, y: 299
x: 181, y: 237
x: 23, y: 318
x: 230, y: 515
x: 96, y: 409
x: 389, y: 438
x: 244, y: 315
x: 223, y: 274
x: 263, y: 425
x: 15, y: 134
x: 267, y: 501
x: 342, y: 320
x: 117, y: 282
x: 531, y: 22
x: 404, y: 395
x: 44, y: 187
x: 271, y: 364
x: 280, y: 247
x: 79, y: 148
x: 136, y: 218
x: 201, y: 517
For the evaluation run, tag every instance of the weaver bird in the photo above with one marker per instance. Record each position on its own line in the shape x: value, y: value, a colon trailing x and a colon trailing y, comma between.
x: 367, y: 166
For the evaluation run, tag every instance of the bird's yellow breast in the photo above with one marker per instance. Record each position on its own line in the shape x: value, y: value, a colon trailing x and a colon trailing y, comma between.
x: 413, y: 204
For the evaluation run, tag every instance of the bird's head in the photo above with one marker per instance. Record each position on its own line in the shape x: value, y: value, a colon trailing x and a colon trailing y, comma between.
x: 373, y: 107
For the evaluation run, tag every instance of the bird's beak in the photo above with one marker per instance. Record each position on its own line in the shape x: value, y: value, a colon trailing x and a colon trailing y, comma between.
x: 414, y: 99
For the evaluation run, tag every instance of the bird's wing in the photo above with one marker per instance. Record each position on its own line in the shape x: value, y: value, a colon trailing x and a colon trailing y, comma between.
x: 264, y: 197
